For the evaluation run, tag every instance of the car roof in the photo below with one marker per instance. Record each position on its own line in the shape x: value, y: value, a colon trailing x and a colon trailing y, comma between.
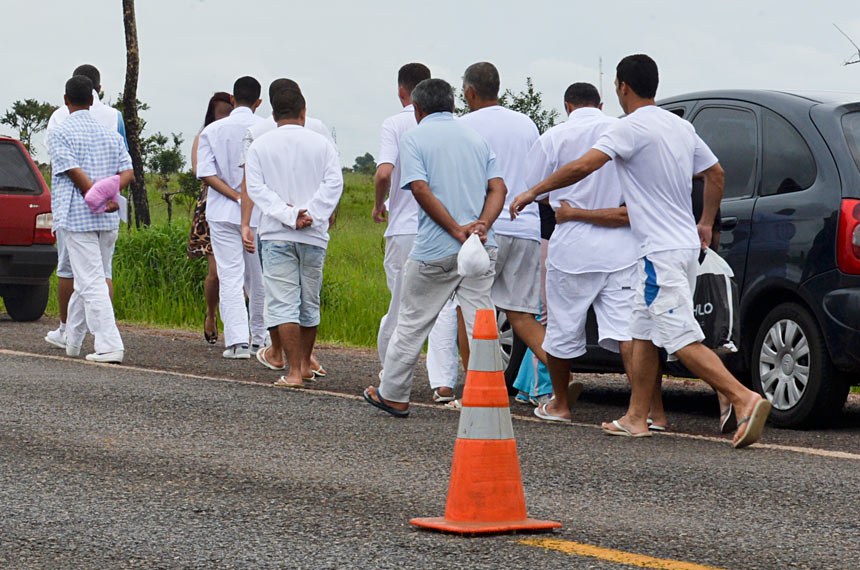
x: 765, y: 96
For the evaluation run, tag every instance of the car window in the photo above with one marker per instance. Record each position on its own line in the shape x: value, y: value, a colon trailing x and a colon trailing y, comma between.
x: 851, y: 126
x: 16, y: 176
x: 787, y: 162
x: 731, y: 133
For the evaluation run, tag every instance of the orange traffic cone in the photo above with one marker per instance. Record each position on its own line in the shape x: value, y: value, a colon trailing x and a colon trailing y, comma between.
x: 485, y: 494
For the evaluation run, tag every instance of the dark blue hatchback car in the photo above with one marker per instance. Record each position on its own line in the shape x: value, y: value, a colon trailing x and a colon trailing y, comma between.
x: 791, y: 233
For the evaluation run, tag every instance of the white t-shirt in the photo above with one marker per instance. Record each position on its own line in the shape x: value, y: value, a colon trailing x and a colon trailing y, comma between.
x: 292, y: 168
x: 105, y: 115
x: 657, y: 154
x: 219, y: 152
x: 266, y: 125
x: 581, y: 247
x: 402, y: 207
x: 511, y: 135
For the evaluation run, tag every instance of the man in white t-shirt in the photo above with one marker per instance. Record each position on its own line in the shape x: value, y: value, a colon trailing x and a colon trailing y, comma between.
x: 218, y: 155
x: 272, y: 356
x: 516, y: 289
x: 111, y: 119
x: 398, y: 207
x: 294, y: 176
x: 592, y: 252
x: 657, y: 154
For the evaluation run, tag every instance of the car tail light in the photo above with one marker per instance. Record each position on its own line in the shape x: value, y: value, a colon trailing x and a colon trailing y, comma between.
x: 848, y: 238
x: 44, y: 224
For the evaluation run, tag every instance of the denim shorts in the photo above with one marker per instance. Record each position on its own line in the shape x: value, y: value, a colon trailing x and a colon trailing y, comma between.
x: 292, y: 275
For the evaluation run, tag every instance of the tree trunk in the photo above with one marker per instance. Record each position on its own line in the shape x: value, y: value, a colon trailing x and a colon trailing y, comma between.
x: 132, y: 123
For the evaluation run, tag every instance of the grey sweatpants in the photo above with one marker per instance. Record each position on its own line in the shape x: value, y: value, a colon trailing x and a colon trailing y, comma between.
x: 427, y: 286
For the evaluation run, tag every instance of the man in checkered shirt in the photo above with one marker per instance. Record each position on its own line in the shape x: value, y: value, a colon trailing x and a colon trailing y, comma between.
x: 83, y: 152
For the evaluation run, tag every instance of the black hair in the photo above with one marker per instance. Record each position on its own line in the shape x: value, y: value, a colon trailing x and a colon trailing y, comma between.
x: 287, y: 104
x: 483, y: 77
x: 79, y: 90
x: 434, y: 96
x: 92, y: 72
x: 280, y: 85
x: 582, y: 94
x: 219, y: 97
x: 639, y: 72
x: 411, y: 74
x: 246, y: 90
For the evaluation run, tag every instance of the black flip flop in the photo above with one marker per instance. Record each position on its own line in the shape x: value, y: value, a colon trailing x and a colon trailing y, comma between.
x: 383, y: 406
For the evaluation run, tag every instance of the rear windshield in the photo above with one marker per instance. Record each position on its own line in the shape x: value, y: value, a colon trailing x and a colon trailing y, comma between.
x: 16, y: 174
x: 851, y: 126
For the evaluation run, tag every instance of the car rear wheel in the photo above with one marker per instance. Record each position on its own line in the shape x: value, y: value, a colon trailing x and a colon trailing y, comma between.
x: 26, y: 302
x: 792, y: 369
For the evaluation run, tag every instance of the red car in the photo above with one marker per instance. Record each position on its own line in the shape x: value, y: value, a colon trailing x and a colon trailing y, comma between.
x: 27, y: 252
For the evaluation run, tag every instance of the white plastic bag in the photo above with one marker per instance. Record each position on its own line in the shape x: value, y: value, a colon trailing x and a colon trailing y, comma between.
x: 473, y: 260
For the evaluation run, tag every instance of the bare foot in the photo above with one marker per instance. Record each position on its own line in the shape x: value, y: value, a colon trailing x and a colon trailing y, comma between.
x: 553, y: 408
x: 276, y: 362
x: 445, y: 391
x: 750, y: 416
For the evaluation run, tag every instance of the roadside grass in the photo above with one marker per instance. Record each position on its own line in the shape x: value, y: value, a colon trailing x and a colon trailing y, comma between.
x: 156, y: 284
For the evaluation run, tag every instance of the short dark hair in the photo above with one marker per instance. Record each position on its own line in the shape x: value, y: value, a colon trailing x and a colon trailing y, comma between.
x: 582, y: 94
x: 411, y: 74
x: 434, y: 96
x: 483, y: 77
x: 281, y: 84
x: 246, y: 90
x: 92, y: 72
x: 79, y: 90
x: 639, y: 72
x: 287, y: 104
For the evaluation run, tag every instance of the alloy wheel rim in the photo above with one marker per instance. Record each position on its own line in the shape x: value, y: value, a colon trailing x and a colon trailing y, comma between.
x: 784, y: 364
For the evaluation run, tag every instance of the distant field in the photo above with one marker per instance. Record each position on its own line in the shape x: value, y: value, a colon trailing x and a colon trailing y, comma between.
x: 156, y: 284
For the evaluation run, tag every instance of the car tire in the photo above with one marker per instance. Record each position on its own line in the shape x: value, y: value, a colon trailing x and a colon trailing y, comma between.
x: 791, y: 367
x: 26, y: 302
x: 513, y: 350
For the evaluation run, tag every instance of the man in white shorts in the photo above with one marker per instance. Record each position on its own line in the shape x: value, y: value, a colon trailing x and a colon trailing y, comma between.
x: 657, y: 154
x: 272, y: 356
x: 516, y: 289
x: 218, y: 155
x: 399, y: 208
x: 294, y: 176
x: 592, y: 252
x: 112, y: 120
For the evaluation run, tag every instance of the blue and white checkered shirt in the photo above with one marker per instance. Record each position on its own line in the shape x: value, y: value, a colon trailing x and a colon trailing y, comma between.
x: 82, y: 142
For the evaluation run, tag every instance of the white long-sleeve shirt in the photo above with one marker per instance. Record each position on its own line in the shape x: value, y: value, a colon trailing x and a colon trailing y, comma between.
x: 290, y: 169
x: 266, y: 125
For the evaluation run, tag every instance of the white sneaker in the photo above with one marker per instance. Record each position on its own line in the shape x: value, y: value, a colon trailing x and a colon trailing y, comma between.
x: 57, y: 338
x: 71, y: 350
x: 114, y: 357
x: 237, y: 352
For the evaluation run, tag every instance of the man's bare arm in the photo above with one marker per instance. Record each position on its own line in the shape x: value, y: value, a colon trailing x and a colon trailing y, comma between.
x: 221, y: 187
x: 714, y: 183
x: 436, y: 210
x: 247, y: 208
x: 570, y: 173
x: 606, y: 217
x: 493, y: 204
x: 80, y: 179
x: 382, y: 185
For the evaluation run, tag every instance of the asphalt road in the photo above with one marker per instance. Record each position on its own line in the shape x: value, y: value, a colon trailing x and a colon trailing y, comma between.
x: 183, y: 460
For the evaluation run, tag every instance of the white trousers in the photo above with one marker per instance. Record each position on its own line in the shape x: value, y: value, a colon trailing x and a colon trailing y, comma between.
x: 238, y: 272
x: 427, y: 287
x: 442, y: 351
x: 90, y: 306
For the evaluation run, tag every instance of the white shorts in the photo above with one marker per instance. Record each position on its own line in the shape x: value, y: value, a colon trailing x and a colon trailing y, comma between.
x: 568, y: 298
x: 663, y: 304
x: 517, y: 284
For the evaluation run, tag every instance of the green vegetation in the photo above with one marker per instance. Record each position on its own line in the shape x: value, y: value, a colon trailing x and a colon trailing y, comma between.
x: 156, y: 284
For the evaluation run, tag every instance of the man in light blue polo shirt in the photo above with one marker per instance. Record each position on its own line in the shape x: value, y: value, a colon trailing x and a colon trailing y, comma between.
x: 452, y: 174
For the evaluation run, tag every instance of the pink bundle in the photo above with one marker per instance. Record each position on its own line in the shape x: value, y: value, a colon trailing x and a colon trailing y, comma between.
x: 101, y: 192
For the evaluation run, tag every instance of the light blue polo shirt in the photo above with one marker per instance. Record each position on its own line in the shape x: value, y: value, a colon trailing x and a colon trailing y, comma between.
x: 456, y: 162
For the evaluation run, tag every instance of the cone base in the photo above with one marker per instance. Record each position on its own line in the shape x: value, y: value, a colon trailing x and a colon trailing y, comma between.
x: 443, y: 525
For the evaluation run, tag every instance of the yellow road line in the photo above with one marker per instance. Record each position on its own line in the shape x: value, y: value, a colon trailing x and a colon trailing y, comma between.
x: 610, y: 555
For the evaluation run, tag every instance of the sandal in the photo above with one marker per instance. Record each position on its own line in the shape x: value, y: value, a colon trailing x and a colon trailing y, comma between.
x: 211, y: 337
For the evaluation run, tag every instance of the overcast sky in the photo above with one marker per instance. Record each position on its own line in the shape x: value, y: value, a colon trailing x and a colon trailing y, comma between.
x: 345, y: 54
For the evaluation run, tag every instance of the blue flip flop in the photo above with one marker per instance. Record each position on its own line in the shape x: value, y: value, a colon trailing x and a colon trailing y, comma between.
x: 383, y: 406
